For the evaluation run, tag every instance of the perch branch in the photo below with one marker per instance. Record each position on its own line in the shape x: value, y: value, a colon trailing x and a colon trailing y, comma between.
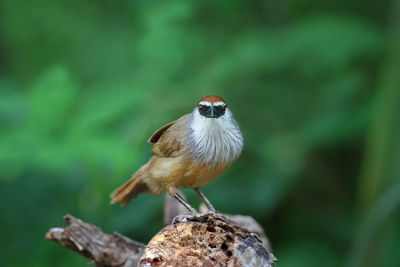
x: 88, y: 240
x: 192, y: 240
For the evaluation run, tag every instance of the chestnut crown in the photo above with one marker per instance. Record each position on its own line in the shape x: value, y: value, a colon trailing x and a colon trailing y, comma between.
x: 212, y: 106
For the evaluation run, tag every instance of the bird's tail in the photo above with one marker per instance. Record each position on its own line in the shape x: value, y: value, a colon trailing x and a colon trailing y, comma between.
x: 130, y: 189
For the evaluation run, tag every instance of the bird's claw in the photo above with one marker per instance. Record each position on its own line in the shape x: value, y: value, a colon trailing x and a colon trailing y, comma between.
x: 182, y: 218
x: 215, y: 215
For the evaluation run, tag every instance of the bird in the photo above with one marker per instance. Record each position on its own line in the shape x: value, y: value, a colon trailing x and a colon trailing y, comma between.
x: 189, y: 152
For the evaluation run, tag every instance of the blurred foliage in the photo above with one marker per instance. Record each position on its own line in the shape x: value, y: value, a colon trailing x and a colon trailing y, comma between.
x: 313, y: 85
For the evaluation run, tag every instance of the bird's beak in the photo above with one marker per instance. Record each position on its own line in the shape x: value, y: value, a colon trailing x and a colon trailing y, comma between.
x: 212, y: 112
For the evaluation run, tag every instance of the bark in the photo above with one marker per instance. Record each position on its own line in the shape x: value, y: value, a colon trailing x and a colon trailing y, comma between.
x: 191, y: 240
x: 91, y: 242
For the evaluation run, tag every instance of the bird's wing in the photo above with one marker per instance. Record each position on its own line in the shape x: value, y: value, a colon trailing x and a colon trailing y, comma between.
x: 168, y: 140
x: 157, y: 134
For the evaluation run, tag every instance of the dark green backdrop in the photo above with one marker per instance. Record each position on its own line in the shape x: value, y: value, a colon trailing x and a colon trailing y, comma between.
x: 315, y: 87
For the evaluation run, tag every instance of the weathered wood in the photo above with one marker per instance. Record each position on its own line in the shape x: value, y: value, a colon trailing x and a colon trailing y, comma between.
x: 192, y: 240
x: 88, y: 240
x: 206, y: 240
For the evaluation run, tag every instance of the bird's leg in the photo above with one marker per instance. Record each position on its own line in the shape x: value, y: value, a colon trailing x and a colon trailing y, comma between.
x: 205, y: 200
x: 185, y: 203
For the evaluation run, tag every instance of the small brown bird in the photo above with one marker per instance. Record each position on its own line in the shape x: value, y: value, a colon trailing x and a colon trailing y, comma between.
x: 189, y: 152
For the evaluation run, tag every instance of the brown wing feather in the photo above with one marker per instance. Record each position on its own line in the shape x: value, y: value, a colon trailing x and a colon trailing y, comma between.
x: 170, y: 147
x: 157, y: 134
x: 170, y: 138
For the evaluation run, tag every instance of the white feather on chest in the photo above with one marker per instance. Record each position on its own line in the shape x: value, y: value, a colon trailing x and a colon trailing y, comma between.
x: 215, y: 140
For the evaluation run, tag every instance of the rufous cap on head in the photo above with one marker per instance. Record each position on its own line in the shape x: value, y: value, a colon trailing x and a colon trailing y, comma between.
x: 213, y: 99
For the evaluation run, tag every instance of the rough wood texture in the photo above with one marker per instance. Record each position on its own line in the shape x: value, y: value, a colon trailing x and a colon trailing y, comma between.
x: 89, y: 241
x: 206, y: 240
x: 192, y: 240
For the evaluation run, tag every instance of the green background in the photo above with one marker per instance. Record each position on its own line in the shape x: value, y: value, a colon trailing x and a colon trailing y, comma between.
x: 314, y: 85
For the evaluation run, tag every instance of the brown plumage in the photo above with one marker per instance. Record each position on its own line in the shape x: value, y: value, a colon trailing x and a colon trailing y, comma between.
x: 189, y: 152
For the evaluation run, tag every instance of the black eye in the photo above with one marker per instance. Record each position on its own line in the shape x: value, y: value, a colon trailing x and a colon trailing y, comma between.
x: 220, y: 109
x: 203, y: 108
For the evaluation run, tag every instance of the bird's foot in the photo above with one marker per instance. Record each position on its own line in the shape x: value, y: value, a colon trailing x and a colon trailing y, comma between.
x: 182, y: 218
x: 206, y: 216
x: 216, y: 215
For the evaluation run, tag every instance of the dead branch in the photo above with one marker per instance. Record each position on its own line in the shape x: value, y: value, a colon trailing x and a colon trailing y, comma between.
x: 193, y: 240
x: 89, y: 241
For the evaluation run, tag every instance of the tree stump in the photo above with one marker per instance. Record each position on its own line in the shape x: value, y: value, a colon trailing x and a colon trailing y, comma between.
x: 206, y: 240
x: 192, y: 240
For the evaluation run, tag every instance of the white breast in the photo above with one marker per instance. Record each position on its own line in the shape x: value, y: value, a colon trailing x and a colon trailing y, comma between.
x: 215, y: 140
